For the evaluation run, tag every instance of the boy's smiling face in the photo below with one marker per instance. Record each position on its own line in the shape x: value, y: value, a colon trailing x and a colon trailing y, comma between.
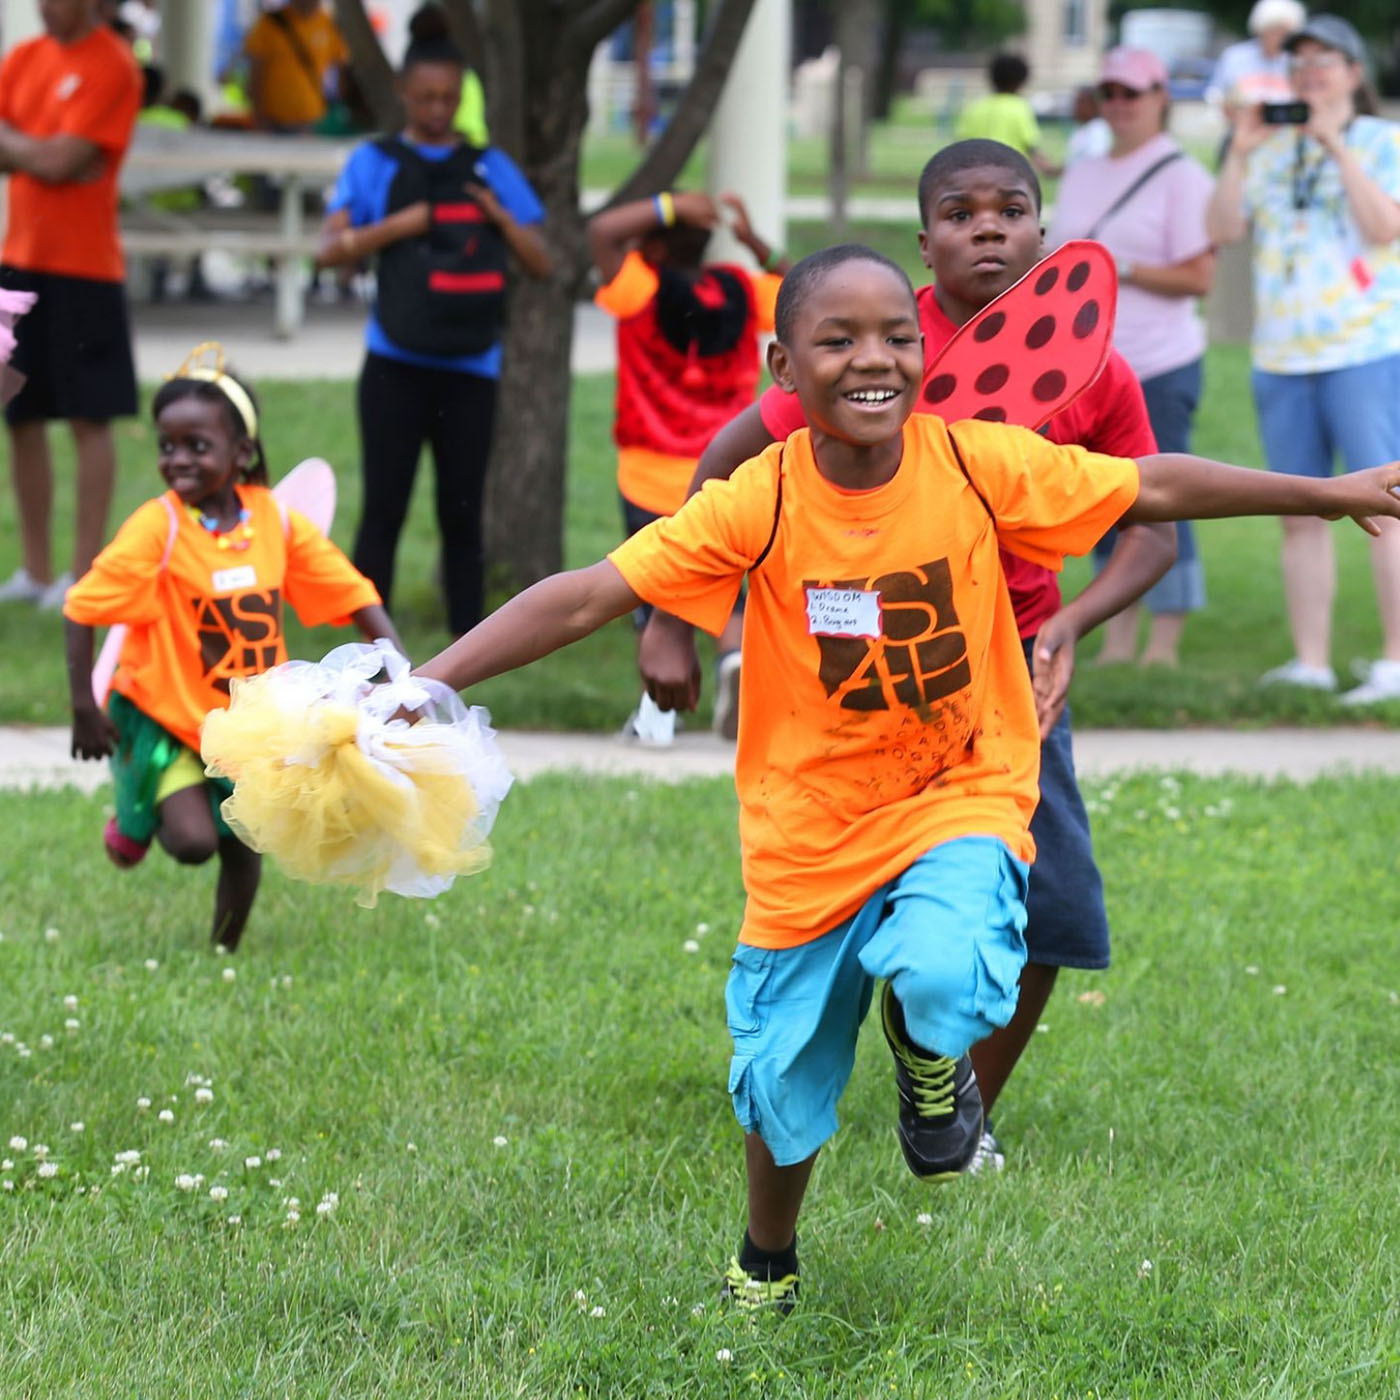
x: 981, y: 233
x: 855, y: 357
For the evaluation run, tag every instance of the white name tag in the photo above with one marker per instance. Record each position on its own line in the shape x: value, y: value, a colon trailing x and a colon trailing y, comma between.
x: 843, y: 612
x: 226, y: 580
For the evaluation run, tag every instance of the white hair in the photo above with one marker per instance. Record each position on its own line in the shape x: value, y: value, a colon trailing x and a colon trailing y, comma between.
x: 1280, y: 14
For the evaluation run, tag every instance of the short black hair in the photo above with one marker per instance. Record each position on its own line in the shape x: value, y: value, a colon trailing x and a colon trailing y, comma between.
x: 173, y: 390
x: 973, y: 155
x: 1008, y: 72
x: 430, y: 39
x: 804, y: 276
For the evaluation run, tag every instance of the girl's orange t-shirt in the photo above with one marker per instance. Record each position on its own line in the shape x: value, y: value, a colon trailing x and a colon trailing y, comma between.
x: 210, y: 614
x: 885, y: 704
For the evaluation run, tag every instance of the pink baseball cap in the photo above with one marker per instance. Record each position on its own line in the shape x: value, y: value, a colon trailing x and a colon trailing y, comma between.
x: 1138, y: 69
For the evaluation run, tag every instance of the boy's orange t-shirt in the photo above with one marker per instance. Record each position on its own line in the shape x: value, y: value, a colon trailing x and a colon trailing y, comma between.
x: 885, y: 703
x: 210, y: 614
x: 91, y: 89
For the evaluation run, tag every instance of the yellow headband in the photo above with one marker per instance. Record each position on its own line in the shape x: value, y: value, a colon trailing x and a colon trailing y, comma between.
x: 214, y: 374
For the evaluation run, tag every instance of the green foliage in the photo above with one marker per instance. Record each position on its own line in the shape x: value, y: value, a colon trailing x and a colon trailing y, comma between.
x: 967, y: 24
x: 1374, y: 18
x: 516, y: 1095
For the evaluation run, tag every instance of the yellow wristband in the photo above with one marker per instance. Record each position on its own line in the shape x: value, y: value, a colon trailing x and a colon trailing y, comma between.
x: 666, y: 208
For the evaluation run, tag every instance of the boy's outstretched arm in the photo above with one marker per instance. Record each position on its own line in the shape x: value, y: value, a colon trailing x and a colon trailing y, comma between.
x: 1175, y: 486
x: 546, y: 616
x: 1142, y: 554
x: 666, y: 654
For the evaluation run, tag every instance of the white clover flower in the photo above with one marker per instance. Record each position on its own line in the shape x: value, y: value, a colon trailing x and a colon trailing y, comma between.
x: 413, y: 1146
x: 46, y: 1041
x: 499, y: 1141
x: 143, y: 1103
x: 118, y: 1168
x: 166, y: 1116
x: 70, y: 1002
x: 924, y: 1218
x: 690, y: 946
x: 1252, y: 970
x: 327, y: 1203
x: 50, y: 935
x: 23, y: 1051
x: 71, y: 1023
x: 273, y: 1154
x: 151, y: 964
x: 432, y: 920
x: 598, y: 1311
x: 7, y: 1037
x: 252, y: 1162
x: 185, y: 1182
x: 229, y: 973
x: 701, y: 930
x: 1145, y: 1268
x: 1280, y: 990
x: 18, y: 1144
x: 217, y: 1144
x: 76, y: 1127
x: 7, y: 1165
x: 724, y: 1356
x: 286, y: 979
x: 235, y: 1220
x: 291, y: 1202
x: 41, y: 1150
x: 128, y: 1158
x: 218, y: 1193
x: 698, y: 1310
x: 293, y: 1216
x: 204, y: 1096
x: 48, y: 1169
x: 7, y: 1185
x: 1172, y: 814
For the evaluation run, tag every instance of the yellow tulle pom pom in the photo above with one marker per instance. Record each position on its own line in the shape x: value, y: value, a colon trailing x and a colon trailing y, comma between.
x: 339, y: 791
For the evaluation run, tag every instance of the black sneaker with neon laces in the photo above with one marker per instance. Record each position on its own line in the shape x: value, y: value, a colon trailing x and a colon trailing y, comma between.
x: 940, y: 1107
x: 745, y: 1290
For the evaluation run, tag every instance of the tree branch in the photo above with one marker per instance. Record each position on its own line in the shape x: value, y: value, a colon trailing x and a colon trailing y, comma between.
x: 466, y: 33
x: 593, y: 24
x: 669, y: 153
x: 372, y: 70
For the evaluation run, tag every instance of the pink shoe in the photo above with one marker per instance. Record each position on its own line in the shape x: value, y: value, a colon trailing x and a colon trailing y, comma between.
x: 122, y: 850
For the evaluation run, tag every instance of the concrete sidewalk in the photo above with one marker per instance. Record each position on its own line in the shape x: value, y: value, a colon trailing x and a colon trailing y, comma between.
x: 38, y: 757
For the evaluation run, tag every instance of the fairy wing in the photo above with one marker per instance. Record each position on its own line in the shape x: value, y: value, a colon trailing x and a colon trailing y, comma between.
x: 1029, y: 353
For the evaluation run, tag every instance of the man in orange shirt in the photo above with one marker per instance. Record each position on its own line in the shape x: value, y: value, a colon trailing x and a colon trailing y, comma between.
x: 68, y: 102
x: 293, y: 52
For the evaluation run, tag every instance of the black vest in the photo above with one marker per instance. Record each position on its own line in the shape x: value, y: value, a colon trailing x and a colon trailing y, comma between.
x: 443, y: 293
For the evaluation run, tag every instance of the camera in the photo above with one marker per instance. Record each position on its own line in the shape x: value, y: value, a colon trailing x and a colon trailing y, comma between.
x: 1284, y: 113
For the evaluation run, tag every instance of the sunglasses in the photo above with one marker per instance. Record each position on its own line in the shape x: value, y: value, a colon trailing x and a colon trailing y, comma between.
x: 1316, y: 60
x: 1115, y: 92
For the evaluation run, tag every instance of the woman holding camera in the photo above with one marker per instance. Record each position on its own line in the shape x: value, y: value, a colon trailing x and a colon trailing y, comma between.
x: 1145, y: 201
x: 1323, y: 200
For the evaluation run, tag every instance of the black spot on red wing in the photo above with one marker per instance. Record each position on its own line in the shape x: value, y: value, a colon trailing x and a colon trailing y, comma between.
x: 1046, y: 280
x: 1049, y: 386
x: 992, y: 378
x: 1086, y: 318
x: 1040, y: 332
x: 994, y: 413
x: 991, y: 327
x: 939, y: 387
x: 1078, y: 276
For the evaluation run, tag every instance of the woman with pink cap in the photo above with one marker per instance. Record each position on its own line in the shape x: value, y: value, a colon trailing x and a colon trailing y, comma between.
x: 1145, y: 201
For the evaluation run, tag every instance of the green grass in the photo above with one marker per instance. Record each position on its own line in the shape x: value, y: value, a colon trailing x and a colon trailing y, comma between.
x: 517, y: 1093
x: 593, y: 685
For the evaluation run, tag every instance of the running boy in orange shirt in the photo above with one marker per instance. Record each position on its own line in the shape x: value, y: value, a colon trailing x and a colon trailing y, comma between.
x: 887, y: 762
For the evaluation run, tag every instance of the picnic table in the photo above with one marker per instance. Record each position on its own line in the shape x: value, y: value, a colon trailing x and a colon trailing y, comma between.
x: 160, y: 159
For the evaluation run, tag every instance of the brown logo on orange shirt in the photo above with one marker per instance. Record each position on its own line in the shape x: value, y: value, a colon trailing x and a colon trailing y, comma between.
x: 922, y: 656
x: 240, y: 635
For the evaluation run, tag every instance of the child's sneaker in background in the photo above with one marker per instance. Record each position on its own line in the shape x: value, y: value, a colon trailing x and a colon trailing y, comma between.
x: 988, y: 1157
x: 21, y: 587
x: 650, y: 725
x: 1299, y: 673
x: 1380, y: 682
x: 726, y: 718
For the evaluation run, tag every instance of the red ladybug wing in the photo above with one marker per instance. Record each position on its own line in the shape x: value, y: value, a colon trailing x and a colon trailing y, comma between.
x: 1033, y: 350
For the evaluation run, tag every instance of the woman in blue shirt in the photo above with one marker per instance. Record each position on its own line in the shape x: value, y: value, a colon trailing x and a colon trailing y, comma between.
x: 442, y: 219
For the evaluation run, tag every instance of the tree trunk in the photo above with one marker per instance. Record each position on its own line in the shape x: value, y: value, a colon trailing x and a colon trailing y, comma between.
x: 887, y: 72
x: 858, y: 25
x: 372, y: 71
x: 525, y: 487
